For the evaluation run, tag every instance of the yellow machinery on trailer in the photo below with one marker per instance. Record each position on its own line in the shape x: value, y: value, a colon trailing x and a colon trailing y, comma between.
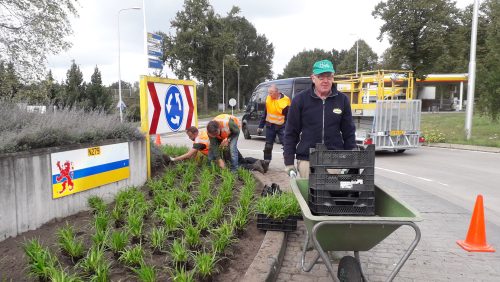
x: 383, y: 108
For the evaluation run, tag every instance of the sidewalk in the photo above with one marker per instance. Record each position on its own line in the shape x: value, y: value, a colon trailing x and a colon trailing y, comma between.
x: 436, y: 258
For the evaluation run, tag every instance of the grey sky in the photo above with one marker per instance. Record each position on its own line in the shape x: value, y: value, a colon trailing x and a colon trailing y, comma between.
x: 291, y: 25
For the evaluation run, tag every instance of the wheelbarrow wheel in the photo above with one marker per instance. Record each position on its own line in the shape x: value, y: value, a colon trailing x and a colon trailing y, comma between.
x: 349, y: 270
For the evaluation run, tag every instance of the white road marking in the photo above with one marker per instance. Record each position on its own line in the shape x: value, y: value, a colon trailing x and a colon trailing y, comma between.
x: 417, y: 177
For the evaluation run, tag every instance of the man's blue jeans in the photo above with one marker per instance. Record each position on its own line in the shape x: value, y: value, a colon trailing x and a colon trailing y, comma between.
x: 233, y: 150
x: 214, y: 154
x: 271, y: 132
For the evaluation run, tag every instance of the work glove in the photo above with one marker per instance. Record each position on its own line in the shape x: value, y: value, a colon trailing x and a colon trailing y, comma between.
x: 260, y: 130
x: 291, y: 171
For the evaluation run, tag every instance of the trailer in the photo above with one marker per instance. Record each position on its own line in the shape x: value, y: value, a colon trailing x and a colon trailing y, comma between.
x: 383, y: 108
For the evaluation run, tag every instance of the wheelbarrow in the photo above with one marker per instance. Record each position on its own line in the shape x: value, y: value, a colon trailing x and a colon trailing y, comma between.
x: 354, y: 233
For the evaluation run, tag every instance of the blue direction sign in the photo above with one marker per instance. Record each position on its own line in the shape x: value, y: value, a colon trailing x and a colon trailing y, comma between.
x: 155, y: 53
x: 174, y: 108
x: 155, y: 64
x: 154, y: 38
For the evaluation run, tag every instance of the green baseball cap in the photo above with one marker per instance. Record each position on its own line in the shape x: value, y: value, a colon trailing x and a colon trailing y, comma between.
x: 323, y: 66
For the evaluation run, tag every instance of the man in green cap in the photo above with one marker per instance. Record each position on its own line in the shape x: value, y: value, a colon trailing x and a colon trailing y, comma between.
x: 319, y: 114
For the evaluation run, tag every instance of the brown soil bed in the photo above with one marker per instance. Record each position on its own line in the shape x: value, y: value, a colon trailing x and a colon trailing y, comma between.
x: 13, y: 262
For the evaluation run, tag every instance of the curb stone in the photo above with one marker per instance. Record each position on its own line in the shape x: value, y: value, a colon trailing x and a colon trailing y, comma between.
x: 267, y: 262
x: 464, y: 147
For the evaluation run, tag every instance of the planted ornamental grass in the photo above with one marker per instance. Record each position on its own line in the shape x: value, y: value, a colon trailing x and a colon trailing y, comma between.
x: 278, y: 206
x: 22, y: 131
x: 175, y: 221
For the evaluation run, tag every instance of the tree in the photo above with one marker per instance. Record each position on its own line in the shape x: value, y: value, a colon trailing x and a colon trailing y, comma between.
x: 367, y: 59
x: 489, y: 67
x: 390, y: 61
x: 33, y: 29
x: 98, y: 97
x: 301, y: 64
x: 416, y: 30
x: 9, y: 81
x: 251, y: 49
x: 75, y: 90
x: 193, y: 49
x: 203, y: 40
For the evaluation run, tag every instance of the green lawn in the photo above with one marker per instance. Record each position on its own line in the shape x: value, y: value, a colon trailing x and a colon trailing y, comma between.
x: 449, y: 128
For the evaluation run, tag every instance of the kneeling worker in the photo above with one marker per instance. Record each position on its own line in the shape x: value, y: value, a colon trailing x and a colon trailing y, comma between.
x: 223, y: 131
x: 201, y: 144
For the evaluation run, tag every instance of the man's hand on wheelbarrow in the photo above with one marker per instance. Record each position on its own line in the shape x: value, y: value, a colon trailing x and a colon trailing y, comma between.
x: 291, y: 171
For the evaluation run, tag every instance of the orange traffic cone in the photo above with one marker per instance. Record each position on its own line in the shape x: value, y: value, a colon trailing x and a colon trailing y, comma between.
x: 476, y: 236
x: 158, y: 140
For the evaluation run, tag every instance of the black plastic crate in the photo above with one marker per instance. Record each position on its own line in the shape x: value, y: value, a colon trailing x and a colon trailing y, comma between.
x: 271, y: 224
x: 342, y: 210
x: 355, y: 179
x: 351, y: 194
x: 321, y: 157
x: 335, y: 202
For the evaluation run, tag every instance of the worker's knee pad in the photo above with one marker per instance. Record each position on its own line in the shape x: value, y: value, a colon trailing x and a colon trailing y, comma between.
x: 268, y: 151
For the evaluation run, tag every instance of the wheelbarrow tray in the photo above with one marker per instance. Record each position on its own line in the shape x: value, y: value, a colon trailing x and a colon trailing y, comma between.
x: 355, y: 233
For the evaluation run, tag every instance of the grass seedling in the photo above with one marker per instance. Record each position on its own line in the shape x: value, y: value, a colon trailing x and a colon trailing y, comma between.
x: 182, y: 275
x: 157, y: 237
x: 59, y: 275
x: 97, y: 204
x: 204, y: 222
x: 192, y: 236
x: 135, y: 225
x: 40, y: 261
x: 240, y: 219
x: 132, y: 256
x: 95, y: 261
x: 68, y: 243
x: 205, y: 264
x: 222, y: 238
x: 100, y: 237
x: 179, y: 253
x: 101, y: 221
x: 145, y: 273
x: 118, y: 241
x: 117, y: 214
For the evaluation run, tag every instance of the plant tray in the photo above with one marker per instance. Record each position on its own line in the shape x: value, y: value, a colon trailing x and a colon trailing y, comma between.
x: 271, y: 224
x: 321, y: 157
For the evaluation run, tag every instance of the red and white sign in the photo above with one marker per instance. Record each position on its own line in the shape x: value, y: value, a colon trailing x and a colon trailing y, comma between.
x: 171, y: 104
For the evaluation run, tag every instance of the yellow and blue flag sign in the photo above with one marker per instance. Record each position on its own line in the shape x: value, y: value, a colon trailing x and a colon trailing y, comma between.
x: 79, y: 170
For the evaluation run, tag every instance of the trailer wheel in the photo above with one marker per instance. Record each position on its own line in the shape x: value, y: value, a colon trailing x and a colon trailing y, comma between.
x: 400, y: 151
x: 349, y: 270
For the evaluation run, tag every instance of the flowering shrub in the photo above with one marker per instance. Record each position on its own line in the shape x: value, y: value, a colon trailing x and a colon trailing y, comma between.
x: 434, y: 136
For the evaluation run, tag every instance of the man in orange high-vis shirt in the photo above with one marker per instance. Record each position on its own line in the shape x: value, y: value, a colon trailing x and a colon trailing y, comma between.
x: 201, y: 143
x: 223, y: 131
x: 274, y: 119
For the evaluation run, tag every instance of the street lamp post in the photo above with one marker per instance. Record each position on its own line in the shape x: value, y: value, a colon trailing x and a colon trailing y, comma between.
x: 239, y: 84
x: 472, y: 73
x: 119, y: 63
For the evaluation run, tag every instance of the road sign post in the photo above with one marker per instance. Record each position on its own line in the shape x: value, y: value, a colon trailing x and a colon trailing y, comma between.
x: 232, y: 103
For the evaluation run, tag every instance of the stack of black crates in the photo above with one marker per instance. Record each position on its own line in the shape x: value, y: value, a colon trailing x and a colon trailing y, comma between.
x: 342, y: 182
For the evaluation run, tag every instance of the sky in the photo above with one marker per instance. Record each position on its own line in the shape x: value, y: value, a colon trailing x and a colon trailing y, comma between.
x: 291, y: 26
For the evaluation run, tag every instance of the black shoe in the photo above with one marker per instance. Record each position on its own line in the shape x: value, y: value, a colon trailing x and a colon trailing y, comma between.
x: 265, y: 165
x: 258, y: 167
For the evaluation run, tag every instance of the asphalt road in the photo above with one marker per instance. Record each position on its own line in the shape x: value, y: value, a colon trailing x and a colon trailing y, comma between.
x: 456, y: 176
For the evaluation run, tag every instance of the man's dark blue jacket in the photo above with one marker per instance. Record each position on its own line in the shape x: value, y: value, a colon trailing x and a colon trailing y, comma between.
x: 312, y: 120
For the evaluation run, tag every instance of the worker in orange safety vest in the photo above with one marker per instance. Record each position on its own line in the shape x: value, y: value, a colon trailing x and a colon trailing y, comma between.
x: 274, y: 118
x: 223, y: 131
x: 201, y: 143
